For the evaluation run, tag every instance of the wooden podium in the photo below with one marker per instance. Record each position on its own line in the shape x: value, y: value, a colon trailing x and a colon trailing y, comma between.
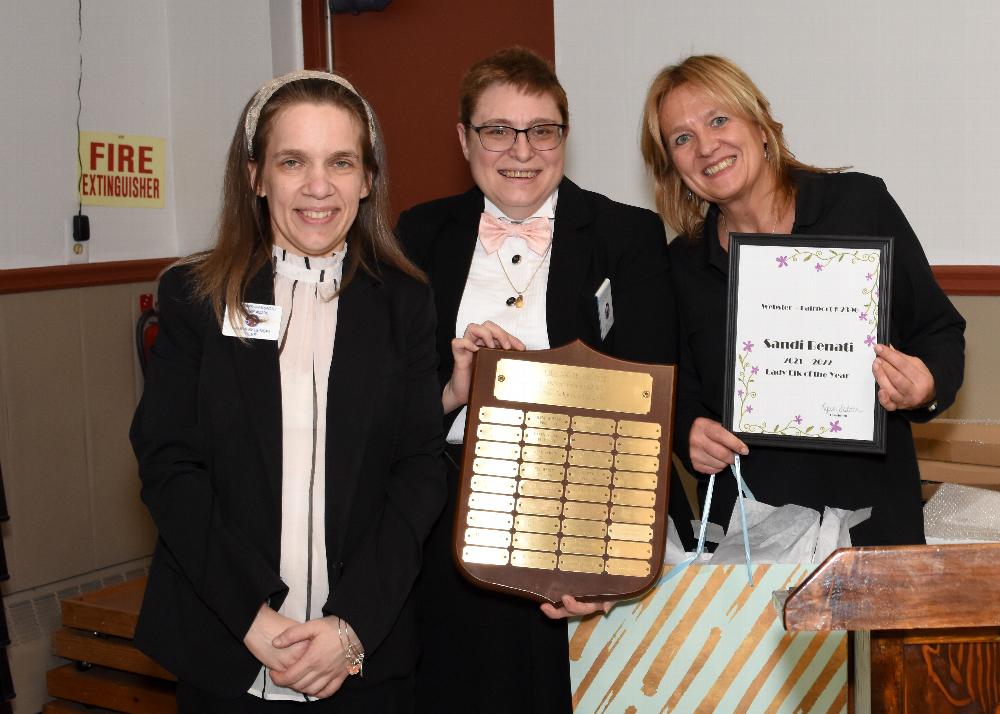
x: 927, y: 618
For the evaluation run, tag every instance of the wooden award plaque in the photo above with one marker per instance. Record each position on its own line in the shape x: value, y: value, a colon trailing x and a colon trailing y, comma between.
x: 565, y: 474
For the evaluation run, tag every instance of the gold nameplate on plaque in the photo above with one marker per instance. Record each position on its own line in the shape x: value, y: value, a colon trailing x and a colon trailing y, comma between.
x: 594, y: 477
x: 543, y: 472
x: 564, y: 476
x: 563, y: 385
x: 496, y: 415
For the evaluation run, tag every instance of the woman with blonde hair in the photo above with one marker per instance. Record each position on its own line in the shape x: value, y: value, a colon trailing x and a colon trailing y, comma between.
x: 721, y: 165
x: 289, y: 434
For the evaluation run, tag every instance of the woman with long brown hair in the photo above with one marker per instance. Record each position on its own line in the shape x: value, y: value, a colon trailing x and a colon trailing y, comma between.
x: 290, y: 430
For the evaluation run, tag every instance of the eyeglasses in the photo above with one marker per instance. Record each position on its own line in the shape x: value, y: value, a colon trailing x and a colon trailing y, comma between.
x: 542, y: 137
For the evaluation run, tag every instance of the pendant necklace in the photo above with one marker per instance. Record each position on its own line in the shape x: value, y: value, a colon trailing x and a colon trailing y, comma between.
x: 518, y: 299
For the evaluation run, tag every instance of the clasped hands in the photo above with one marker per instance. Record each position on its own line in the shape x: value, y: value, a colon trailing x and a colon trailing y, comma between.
x: 904, y: 382
x: 305, y: 656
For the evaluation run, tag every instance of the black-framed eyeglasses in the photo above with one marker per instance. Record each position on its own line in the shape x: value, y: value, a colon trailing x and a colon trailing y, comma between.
x: 542, y: 137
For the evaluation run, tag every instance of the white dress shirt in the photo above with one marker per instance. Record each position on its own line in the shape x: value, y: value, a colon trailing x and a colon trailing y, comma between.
x: 487, y: 290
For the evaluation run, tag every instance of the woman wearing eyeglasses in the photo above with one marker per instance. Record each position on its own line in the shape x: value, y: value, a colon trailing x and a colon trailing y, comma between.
x: 515, y: 263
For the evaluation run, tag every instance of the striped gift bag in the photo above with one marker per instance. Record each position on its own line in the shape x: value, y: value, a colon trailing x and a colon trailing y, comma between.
x: 705, y: 641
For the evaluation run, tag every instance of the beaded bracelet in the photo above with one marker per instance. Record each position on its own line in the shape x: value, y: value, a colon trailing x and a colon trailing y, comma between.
x: 353, y: 653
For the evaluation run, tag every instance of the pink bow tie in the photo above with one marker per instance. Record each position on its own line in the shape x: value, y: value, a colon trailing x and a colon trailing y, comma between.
x: 536, y: 233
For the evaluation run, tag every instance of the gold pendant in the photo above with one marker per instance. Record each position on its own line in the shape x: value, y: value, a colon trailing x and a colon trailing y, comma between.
x: 519, y: 303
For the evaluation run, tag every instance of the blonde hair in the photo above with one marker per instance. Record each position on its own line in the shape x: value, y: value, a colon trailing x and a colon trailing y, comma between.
x: 730, y: 86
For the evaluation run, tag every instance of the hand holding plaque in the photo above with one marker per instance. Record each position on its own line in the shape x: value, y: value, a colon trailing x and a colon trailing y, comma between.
x: 565, y: 474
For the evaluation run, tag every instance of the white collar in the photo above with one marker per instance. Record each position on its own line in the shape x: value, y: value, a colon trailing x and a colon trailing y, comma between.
x: 546, y: 210
x: 309, y: 270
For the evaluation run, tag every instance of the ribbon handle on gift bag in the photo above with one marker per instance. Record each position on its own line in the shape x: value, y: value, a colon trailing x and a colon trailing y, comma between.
x: 743, y: 491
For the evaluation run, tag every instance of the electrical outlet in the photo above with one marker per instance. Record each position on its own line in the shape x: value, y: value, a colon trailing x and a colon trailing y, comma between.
x: 76, y: 251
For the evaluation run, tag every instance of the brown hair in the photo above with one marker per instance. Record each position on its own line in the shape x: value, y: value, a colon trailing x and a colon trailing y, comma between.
x: 243, y: 234
x: 729, y: 85
x: 517, y: 66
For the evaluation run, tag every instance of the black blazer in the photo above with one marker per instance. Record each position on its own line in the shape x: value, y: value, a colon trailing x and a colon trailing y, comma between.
x: 923, y: 323
x: 595, y: 238
x: 207, y: 435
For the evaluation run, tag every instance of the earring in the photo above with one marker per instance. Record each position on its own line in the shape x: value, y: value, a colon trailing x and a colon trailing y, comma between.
x: 689, y: 195
x: 766, y: 156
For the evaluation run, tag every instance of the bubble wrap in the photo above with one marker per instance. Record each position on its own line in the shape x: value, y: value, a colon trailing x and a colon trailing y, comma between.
x: 962, y: 514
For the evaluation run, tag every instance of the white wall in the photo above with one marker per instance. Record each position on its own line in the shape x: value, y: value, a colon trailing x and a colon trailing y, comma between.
x: 904, y: 90
x: 180, y: 69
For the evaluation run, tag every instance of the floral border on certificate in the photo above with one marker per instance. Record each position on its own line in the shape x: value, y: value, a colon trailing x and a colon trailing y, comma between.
x: 821, y: 259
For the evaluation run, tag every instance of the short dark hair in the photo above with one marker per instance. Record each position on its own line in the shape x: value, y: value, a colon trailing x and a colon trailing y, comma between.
x: 516, y: 66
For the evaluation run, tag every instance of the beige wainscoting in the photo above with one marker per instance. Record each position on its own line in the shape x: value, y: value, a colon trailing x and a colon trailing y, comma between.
x: 68, y: 386
x: 980, y: 396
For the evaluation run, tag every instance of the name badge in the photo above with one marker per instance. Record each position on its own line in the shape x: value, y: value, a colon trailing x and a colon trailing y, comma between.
x: 605, y: 308
x: 262, y: 322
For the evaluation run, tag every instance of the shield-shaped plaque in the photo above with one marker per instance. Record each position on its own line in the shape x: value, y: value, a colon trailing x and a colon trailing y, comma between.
x: 565, y: 474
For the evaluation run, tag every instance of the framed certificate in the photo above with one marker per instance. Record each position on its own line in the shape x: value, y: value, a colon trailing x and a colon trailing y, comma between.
x: 805, y: 313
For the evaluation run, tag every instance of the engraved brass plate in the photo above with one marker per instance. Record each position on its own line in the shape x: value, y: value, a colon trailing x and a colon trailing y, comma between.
x: 588, y: 511
x: 599, y: 459
x: 641, y: 429
x: 496, y: 432
x: 533, y: 559
x: 594, y: 425
x: 543, y: 472
x: 493, y: 484
x: 498, y: 415
x: 622, y: 549
x: 595, y: 477
x: 495, y: 467
x: 542, y: 489
x: 491, y: 502
x: 545, y: 437
x: 540, y: 506
x: 581, y: 564
x: 482, y: 519
x: 482, y: 536
x: 536, y: 541
x: 628, y: 514
x: 647, y: 447
x: 498, y: 450
x: 582, y: 546
x: 519, y: 380
x: 563, y: 479
x: 536, y: 524
x: 631, y: 462
x: 545, y: 420
x: 630, y: 531
x: 630, y: 479
x: 487, y: 556
x: 579, y: 492
x: 594, y: 442
x: 544, y: 454
x: 636, y: 568
x: 590, y: 529
x: 630, y: 497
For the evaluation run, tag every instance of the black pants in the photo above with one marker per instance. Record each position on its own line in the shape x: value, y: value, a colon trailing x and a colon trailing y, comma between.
x: 394, y: 696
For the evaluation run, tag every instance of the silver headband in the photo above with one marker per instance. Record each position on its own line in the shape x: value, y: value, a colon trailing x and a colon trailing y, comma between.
x: 268, y: 90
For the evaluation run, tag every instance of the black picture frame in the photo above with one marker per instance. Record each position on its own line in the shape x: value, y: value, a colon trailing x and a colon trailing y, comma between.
x: 802, y: 251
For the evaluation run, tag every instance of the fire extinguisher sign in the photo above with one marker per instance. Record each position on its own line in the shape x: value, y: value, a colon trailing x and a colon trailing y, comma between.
x: 121, y: 170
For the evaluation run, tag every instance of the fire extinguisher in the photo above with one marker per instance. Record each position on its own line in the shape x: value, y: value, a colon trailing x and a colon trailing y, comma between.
x: 145, y: 330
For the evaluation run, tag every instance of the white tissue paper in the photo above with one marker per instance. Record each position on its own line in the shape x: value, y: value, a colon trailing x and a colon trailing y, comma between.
x: 962, y: 514
x: 777, y: 534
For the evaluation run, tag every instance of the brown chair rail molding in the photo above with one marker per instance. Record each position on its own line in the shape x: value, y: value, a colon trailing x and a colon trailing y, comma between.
x: 61, y: 277
x: 968, y: 279
x: 953, y: 279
